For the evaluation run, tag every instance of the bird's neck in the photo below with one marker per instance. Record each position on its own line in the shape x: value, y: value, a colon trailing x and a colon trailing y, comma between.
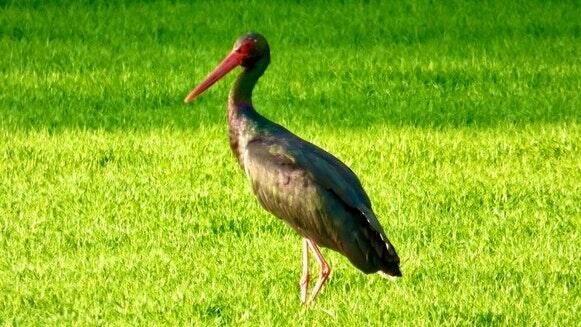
x: 243, y: 120
x: 242, y: 89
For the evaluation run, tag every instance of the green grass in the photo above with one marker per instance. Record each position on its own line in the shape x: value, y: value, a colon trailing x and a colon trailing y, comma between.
x: 119, y: 205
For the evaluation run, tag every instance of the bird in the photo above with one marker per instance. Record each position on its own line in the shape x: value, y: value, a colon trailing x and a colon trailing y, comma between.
x: 308, y: 188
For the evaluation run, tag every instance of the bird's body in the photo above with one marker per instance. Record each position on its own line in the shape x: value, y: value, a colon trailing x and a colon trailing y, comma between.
x: 309, y: 189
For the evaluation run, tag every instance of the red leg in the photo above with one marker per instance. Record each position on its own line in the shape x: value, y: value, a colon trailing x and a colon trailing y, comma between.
x: 304, y: 282
x: 325, y: 270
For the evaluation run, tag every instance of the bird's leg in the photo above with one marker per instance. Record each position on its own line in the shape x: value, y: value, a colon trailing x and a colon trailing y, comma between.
x: 304, y: 282
x: 325, y: 270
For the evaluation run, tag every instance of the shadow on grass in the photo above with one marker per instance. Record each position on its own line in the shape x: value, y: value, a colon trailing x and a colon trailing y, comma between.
x: 429, y: 65
x: 170, y: 112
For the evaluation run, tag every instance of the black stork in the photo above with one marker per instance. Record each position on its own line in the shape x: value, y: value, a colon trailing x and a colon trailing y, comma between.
x: 308, y: 188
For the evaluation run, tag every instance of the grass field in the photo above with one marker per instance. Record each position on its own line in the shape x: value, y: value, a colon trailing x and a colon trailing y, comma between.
x: 119, y: 205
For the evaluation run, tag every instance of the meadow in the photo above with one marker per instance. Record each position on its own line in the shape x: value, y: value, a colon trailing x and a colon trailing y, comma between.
x: 120, y: 205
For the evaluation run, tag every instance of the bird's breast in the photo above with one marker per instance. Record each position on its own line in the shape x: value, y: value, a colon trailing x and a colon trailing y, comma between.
x: 283, y: 192
x: 291, y: 195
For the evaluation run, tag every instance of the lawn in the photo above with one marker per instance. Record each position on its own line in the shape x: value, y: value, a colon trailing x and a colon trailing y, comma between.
x: 120, y: 205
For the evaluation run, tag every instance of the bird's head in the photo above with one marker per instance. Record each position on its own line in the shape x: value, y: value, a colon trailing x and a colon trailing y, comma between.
x: 247, y: 51
x: 252, y: 46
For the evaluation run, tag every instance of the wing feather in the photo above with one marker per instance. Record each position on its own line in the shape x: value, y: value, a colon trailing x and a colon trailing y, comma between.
x: 323, y: 168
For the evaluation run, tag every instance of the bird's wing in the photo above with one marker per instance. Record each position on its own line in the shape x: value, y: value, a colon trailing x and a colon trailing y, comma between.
x: 323, y: 168
x: 334, y: 175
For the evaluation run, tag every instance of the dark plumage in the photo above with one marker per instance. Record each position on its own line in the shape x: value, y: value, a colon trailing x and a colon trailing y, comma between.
x: 305, y: 186
x: 315, y: 194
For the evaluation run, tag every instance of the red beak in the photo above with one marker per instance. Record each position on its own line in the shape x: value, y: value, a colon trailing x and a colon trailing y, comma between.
x: 230, y: 62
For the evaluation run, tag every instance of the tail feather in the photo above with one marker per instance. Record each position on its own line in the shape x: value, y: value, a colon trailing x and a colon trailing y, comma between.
x: 387, y: 276
x: 391, y: 261
x: 391, y: 269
